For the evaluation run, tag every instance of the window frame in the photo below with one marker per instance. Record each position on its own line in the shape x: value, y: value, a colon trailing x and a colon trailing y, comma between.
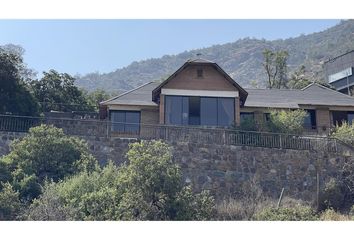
x: 200, y: 101
x: 125, y: 123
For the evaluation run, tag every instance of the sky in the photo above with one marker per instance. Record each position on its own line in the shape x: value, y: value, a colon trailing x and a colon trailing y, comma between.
x: 84, y: 46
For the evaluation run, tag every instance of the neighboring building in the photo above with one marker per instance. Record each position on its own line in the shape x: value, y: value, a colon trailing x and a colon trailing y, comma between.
x: 201, y: 93
x: 339, y: 72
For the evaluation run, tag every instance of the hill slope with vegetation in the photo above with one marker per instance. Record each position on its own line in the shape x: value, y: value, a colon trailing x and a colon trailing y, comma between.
x: 241, y: 59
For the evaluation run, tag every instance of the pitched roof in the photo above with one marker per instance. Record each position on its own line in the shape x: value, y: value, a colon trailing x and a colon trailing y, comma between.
x: 243, y: 93
x: 141, y: 96
x: 314, y: 94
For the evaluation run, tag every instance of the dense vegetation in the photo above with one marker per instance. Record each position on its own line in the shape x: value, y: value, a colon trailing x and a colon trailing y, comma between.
x: 22, y: 94
x: 242, y: 59
x: 51, y: 176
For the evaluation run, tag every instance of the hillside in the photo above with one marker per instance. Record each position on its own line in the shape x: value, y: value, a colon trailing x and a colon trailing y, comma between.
x: 241, y: 59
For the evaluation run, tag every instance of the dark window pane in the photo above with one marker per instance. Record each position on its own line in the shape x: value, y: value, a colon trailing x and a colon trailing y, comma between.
x: 226, y: 111
x: 339, y: 117
x: 350, y: 117
x: 244, y: 116
x: 194, y: 110
x: 208, y: 111
x: 118, y: 119
x: 132, y: 122
x: 310, y: 119
x: 125, y: 121
x: 267, y: 117
x: 173, y: 110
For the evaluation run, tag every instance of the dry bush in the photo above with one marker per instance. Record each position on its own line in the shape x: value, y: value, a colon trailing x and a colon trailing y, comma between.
x: 249, y: 201
x: 331, y: 215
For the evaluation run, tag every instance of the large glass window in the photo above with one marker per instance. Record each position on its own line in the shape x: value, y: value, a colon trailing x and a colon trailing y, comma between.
x: 209, y: 111
x: 226, y: 111
x: 125, y: 121
x: 194, y: 110
x: 342, y: 116
x: 310, y: 119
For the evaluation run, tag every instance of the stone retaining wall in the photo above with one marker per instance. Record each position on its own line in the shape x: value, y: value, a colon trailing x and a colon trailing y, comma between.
x: 224, y: 169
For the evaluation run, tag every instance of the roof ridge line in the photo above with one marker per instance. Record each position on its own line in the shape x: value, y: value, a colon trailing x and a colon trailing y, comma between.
x: 327, y: 88
x: 125, y: 93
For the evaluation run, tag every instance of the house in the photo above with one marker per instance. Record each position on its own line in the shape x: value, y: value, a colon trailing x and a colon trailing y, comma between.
x: 339, y: 72
x: 201, y: 93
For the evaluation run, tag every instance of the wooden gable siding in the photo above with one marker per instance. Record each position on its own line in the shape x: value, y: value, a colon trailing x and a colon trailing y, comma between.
x: 211, y: 80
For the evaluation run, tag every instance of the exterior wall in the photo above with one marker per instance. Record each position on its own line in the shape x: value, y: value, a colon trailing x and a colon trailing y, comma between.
x: 323, y: 120
x: 211, y: 80
x: 149, y: 116
x: 225, y: 169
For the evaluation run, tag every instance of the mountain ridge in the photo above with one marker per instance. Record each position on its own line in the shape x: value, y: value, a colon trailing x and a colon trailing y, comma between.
x: 241, y: 59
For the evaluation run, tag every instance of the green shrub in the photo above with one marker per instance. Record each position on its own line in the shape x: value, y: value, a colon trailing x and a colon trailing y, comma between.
x: 296, y: 213
x: 333, y: 195
x: 44, y: 153
x: 151, y: 187
x: 49, y: 206
x: 10, y: 205
x: 345, y: 133
x: 85, y: 196
x: 290, y: 122
x: 248, y: 124
x: 148, y: 187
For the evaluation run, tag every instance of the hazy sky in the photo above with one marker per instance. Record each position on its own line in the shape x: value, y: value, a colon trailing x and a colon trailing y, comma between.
x: 83, y: 46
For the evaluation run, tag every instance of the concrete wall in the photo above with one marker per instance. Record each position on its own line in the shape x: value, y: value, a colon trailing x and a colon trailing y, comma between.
x: 224, y: 169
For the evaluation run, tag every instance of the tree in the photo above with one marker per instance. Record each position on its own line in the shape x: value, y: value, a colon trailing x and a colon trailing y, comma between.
x: 15, y: 97
x: 275, y: 65
x: 94, y: 98
x: 298, y: 79
x: 57, y: 91
x: 45, y: 153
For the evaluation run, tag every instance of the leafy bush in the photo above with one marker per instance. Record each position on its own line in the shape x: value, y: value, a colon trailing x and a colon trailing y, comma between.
x: 248, y: 124
x: 85, y: 196
x: 333, y: 195
x: 290, y: 122
x: 148, y: 188
x: 152, y: 189
x: 49, y: 206
x: 345, y: 133
x: 44, y: 153
x: 296, y: 213
x: 10, y: 204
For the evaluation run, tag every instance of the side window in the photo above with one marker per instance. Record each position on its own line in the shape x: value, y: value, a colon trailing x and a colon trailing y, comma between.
x: 125, y: 121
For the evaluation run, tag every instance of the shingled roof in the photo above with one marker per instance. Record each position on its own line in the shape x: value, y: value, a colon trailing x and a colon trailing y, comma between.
x: 314, y: 94
x: 140, y: 96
